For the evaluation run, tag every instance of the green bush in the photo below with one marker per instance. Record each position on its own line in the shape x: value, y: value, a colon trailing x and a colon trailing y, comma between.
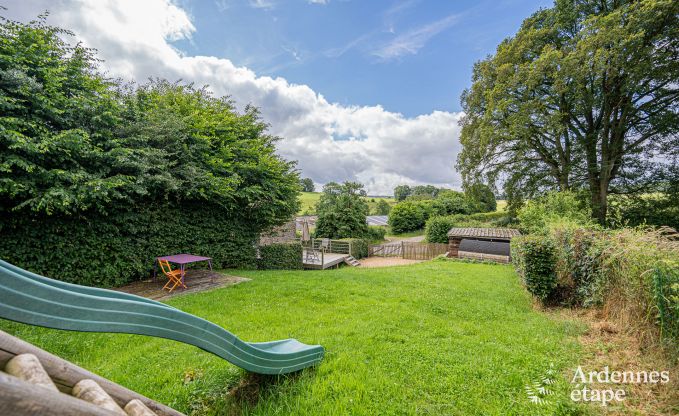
x: 631, y: 273
x: 359, y: 247
x: 481, y: 196
x: 437, y: 228
x: 382, y: 207
x: 648, y: 209
x: 376, y: 233
x: 279, y: 256
x: 534, y: 259
x: 537, y: 215
x: 666, y: 297
x: 449, y: 202
x: 487, y: 216
x: 112, y: 250
x: 407, y: 216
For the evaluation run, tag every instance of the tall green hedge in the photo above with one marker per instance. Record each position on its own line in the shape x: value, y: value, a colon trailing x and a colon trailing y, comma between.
x: 97, y: 178
x: 106, y: 251
x: 534, y: 258
x: 280, y: 256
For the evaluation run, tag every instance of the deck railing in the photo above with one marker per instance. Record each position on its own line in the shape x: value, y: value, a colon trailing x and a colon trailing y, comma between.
x: 328, y: 245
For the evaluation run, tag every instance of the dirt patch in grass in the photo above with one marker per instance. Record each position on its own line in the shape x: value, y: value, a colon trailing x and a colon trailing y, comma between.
x: 195, y: 280
x: 607, y: 345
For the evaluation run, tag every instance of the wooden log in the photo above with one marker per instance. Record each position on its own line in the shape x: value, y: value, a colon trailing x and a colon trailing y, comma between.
x: 19, y: 398
x: 90, y: 391
x: 65, y: 374
x: 136, y: 408
x: 27, y: 367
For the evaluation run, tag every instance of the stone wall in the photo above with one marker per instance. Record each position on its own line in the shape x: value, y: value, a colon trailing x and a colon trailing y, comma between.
x: 282, y: 234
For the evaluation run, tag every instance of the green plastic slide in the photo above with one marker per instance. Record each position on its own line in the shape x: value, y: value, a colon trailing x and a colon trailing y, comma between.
x: 36, y: 300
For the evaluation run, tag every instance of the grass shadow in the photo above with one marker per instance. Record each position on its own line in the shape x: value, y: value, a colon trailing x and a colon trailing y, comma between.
x: 253, y: 387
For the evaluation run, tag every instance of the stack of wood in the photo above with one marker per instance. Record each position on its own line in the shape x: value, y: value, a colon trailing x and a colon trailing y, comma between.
x: 35, y: 382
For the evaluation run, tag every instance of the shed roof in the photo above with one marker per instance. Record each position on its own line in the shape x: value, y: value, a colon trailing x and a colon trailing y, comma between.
x: 484, y: 233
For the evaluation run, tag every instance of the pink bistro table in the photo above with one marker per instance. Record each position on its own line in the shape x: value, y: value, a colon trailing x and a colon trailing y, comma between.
x: 182, y: 260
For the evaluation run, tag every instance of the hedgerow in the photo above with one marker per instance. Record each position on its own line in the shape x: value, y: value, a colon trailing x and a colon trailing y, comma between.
x: 280, y: 256
x: 97, y: 178
x: 630, y: 273
x: 111, y: 250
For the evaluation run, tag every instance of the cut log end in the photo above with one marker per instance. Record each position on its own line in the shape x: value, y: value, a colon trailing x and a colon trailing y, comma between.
x: 27, y: 367
x: 137, y: 408
x: 92, y: 392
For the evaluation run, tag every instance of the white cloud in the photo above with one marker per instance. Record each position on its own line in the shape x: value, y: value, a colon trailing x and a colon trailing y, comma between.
x: 378, y: 147
x: 413, y: 40
x: 318, y: 1
x: 262, y: 4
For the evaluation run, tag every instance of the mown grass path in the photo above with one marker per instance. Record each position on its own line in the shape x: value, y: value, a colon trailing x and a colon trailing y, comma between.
x: 438, y: 337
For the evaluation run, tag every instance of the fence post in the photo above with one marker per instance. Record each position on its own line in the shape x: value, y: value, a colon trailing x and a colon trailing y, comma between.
x: 403, y: 250
x: 350, y: 252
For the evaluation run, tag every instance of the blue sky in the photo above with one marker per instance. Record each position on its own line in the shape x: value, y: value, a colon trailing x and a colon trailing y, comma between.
x: 363, y: 91
x: 410, y: 56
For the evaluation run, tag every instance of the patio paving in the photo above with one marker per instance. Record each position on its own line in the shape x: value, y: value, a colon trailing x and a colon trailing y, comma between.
x: 196, y: 280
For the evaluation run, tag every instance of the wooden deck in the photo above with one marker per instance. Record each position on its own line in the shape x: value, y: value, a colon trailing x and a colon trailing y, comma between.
x: 196, y: 280
x: 324, y: 261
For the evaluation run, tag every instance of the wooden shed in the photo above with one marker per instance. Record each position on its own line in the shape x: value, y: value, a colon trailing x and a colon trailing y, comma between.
x: 481, y: 243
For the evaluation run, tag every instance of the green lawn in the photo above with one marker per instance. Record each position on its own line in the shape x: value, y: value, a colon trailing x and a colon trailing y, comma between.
x: 309, y: 199
x: 439, y: 337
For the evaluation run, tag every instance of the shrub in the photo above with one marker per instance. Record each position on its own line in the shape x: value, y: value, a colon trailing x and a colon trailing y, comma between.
x: 631, y: 273
x: 534, y: 259
x: 407, y: 216
x: 451, y: 202
x: 537, y: 215
x: 280, y: 256
x: 487, y: 216
x: 651, y: 209
x: 482, y: 196
x: 666, y: 297
x: 376, y: 233
x: 359, y: 247
x: 382, y: 207
x: 437, y: 228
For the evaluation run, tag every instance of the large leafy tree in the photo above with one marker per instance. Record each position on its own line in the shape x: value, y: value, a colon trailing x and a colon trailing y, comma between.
x: 401, y: 192
x: 584, y: 95
x: 307, y: 185
x: 341, y: 211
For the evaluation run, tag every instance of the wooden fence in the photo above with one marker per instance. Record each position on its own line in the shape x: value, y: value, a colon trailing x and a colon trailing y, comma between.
x: 386, y: 250
x: 409, y: 250
x: 423, y: 251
